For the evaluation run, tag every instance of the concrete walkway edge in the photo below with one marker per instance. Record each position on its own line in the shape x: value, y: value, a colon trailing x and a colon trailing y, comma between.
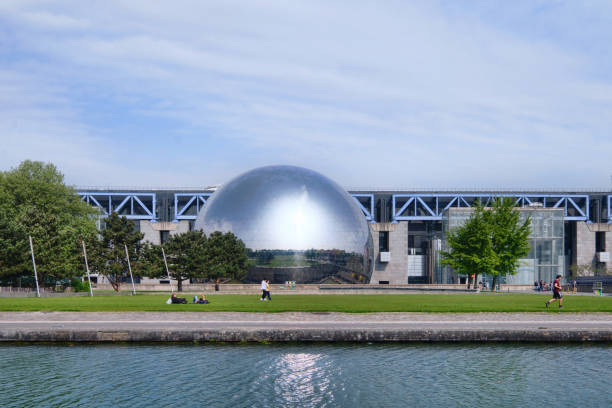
x: 303, y: 327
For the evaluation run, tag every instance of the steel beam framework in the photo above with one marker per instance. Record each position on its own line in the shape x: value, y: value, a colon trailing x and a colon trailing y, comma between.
x: 187, y: 206
x: 405, y: 207
x: 366, y: 203
x: 134, y: 206
x: 420, y: 207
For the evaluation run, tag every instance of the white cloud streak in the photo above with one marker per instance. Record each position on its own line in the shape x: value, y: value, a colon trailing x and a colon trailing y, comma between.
x: 405, y: 95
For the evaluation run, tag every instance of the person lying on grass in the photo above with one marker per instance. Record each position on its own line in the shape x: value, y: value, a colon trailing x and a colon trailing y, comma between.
x: 178, y: 300
x: 202, y: 299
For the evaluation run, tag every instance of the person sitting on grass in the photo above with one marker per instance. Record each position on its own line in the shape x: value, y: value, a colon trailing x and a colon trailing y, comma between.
x: 202, y: 299
x: 556, y: 287
x: 178, y: 300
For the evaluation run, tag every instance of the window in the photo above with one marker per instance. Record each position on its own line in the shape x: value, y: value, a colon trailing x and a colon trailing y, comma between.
x: 383, y: 241
x: 600, y: 241
x: 164, y: 235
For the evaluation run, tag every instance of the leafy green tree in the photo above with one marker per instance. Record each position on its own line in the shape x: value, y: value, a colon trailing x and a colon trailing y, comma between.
x: 226, y: 256
x: 107, y: 252
x: 509, y: 236
x: 147, y: 260
x: 35, y: 201
x: 491, y: 241
x: 151, y: 261
x: 186, y: 256
x: 471, y: 251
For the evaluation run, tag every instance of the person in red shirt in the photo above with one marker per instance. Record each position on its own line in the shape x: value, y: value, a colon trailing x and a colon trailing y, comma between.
x: 556, y: 292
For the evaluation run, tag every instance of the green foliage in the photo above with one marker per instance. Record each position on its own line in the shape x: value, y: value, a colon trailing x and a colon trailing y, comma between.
x: 78, y: 285
x: 151, y: 262
x: 471, y: 246
x: 491, y: 241
x: 190, y: 255
x: 262, y: 257
x: 186, y: 256
x: 35, y: 201
x: 226, y: 256
x: 509, y: 237
x: 106, y: 253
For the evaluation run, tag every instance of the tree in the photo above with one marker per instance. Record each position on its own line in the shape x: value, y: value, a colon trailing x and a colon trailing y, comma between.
x: 107, y: 252
x: 471, y: 247
x: 226, y: 256
x: 491, y: 241
x: 186, y: 256
x: 509, y: 236
x: 35, y: 201
x: 191, y: 255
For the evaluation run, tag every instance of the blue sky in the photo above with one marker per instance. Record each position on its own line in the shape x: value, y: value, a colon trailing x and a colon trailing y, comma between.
x: 393, y: 94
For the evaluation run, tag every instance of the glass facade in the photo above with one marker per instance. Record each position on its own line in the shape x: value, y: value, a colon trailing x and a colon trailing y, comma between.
x: 546, y: 256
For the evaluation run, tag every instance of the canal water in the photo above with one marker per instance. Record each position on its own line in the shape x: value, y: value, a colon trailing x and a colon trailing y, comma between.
x: 306, y: 375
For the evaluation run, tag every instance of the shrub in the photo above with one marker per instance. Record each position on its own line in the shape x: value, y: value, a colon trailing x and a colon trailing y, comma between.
x: 79, y: 285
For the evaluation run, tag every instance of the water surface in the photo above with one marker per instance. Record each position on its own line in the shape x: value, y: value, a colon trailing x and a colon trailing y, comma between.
x: 382, y: 375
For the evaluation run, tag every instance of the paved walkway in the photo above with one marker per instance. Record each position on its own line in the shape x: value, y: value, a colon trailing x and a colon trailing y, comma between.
x: 202, y: 327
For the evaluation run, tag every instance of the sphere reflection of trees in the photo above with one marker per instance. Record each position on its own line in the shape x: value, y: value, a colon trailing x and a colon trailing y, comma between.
x: 298, y: 224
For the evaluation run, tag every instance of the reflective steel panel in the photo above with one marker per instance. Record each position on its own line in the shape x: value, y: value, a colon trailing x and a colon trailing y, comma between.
x: 298, y: 225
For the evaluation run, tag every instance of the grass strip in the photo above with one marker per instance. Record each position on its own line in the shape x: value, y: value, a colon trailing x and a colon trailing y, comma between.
x: 436, y: 303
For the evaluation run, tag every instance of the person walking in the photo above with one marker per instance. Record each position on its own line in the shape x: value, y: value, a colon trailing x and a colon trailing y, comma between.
x: 556, y: 292
x: 574, y: 286
x: 263, y: 289
x: 268, y: 289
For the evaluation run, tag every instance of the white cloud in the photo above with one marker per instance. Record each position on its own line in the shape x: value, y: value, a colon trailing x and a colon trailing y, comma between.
x: 394, y: 95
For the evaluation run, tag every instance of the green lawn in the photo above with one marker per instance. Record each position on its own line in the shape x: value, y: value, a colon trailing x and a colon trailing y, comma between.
x: 453, y: 303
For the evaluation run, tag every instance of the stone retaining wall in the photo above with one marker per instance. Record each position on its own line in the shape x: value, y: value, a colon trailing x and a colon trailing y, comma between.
x: 303, y: 335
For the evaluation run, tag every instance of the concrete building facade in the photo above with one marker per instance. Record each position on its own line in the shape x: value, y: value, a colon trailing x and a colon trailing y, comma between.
x: 406, y: 226
x: 158, y: 232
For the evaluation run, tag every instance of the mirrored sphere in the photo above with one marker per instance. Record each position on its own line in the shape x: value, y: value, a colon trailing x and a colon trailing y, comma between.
x: 297, y: 224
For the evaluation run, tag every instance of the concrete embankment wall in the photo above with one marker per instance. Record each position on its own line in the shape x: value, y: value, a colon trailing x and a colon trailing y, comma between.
x: 192, y: 327
x: 303, y: 335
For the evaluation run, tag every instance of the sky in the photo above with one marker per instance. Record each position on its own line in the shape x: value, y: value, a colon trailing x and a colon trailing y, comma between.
x: 373, y: 94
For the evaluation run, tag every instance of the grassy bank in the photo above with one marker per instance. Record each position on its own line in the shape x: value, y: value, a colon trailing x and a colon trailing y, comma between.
x: 449, y: 303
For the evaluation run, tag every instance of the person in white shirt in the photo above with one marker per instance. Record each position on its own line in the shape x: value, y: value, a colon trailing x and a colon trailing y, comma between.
x: 264, y: 289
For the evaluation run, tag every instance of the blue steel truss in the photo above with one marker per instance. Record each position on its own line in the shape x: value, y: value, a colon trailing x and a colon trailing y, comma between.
x: 417, y: 207
x: 366, y: 203
x: 187, y: 206
x: 405, y: 207
x: 134, y: 206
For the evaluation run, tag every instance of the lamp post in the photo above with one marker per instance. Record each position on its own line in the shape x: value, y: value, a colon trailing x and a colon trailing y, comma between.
x: 127, y: 256
x: 34, y: 264
x: 167, y: 271
x: 87, y: 269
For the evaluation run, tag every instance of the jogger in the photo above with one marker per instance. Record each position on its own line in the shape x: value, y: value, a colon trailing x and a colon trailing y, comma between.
x: 556, y: 292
